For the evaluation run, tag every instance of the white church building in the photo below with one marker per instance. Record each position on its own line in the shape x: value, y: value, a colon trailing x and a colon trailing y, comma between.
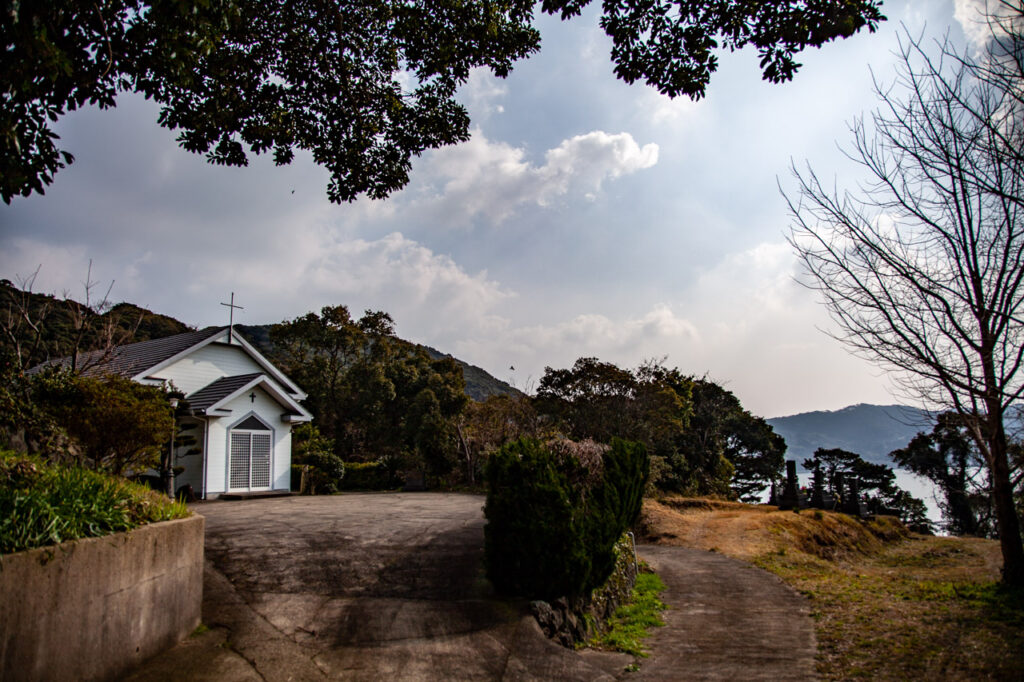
x: 241, y: 406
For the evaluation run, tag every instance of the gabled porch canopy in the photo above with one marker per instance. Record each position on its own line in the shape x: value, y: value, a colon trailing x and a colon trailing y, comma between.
x: 211, y: 399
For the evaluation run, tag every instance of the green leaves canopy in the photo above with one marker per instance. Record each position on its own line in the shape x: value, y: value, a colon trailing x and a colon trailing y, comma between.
x: 374, y: 395
x: 362, y: 85
x: 120, y: 426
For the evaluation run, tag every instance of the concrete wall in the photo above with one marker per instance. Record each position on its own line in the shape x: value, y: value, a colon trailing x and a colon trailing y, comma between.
x: 92, y: 609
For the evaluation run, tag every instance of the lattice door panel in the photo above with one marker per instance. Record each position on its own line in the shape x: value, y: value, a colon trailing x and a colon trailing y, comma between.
x: 239, y: 462
x: 260, y: 460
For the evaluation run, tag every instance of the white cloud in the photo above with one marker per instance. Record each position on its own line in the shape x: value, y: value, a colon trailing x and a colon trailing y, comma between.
x: 970, y: 14
x: 597, y: 334
x: 975, y: 18
x: 427, y: 294
x: 661, y: 109
x: 626, y: 341
x: 488, y: 179
x: 60, y: 268
x: 482, y: 94
x: 758, y: 282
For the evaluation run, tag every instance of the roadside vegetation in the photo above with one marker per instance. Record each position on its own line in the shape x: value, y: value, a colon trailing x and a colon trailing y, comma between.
x: 44, y: 504
x: 633, y: 621
x: 887, y: 604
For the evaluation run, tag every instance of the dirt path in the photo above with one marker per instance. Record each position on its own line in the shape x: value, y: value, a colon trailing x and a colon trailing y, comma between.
x: 390, y: 586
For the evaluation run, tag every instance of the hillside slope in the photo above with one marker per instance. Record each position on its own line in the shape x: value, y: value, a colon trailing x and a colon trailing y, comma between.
x: 887, y: 604
x: 479, y: 383
x: 56, y: 318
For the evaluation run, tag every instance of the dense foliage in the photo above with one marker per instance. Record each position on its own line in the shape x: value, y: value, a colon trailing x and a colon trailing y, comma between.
x: 109, y: 424
x: 555, y: 511
x: 376, y: 397
x: 368, y: 476
x: 875, y: 482
x: 727, y: 444
x: 701, y: 440
x: 43, y: 504
x: 118, y: 425
x: 484, y: 426
x: 320, y: 470
x: 363, y: 86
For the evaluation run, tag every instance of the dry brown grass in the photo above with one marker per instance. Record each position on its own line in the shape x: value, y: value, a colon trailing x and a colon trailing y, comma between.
x: 887, y: 604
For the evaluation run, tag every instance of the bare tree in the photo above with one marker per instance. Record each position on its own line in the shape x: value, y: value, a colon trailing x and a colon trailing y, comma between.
x: 93, y: 327
x: 22, y: 323
x: 922, y: 267
x: 36, y: 328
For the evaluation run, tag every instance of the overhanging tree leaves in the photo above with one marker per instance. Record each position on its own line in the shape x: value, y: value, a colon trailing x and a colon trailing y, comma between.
x: 363, y: 85
x: 923, y: 268
x: 671, y: 44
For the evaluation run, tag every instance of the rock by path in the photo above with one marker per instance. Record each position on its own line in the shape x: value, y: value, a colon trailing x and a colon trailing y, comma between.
x: 390, y: 587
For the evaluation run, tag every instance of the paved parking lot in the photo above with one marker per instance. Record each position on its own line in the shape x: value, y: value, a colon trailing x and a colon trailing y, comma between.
x: 363, y: 587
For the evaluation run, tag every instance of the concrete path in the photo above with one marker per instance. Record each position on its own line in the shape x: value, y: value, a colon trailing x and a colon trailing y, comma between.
x: 391, y: 586
x: 727, y: 620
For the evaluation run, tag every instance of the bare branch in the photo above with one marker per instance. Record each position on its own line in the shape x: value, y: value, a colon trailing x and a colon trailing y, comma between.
x: 922, y: 268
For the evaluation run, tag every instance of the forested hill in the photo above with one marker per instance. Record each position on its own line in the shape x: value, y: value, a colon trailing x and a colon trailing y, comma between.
x: 479, y: 384
x: 59, y: 322
x: 56, y: 318
x: 872, y: 431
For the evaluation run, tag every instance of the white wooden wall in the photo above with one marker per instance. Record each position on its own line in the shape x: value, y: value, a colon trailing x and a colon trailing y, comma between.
x: 270, y: 411
x: 208, y: 364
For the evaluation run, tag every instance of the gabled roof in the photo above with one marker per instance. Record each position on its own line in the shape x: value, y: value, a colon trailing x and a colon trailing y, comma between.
x: 152, y: 372
x: 211, y: 394
x: 143, y: 360
x: 212, y: 397
x: 134, y: 358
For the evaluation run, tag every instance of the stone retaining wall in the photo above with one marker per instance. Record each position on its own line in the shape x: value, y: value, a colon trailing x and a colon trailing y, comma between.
x: 575, y: 621
x: 92, y: 609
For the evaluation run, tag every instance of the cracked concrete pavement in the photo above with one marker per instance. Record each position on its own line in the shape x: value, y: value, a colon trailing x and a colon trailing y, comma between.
x: 391, y: 586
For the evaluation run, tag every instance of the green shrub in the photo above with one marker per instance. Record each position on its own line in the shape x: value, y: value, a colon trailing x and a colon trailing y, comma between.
x: 43, y: 504
x: 313, y: 450
x: 367, y: 476
x: 553, y: 520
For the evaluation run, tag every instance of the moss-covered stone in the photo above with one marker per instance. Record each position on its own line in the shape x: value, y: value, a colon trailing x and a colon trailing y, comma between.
x: 571, y: 622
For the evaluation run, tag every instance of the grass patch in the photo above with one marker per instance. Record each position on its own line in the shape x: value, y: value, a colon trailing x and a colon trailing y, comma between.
x: 902, y: 614
x: 887, y: 604
x: 42, y: 504
x: 632, y: 621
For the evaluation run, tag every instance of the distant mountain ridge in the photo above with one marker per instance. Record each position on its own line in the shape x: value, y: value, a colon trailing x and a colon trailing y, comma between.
x: 872, y: 431
x: 480, y: 384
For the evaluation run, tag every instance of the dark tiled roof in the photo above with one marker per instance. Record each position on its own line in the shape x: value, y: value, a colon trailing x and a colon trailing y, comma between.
x: 134, y: 358
x: 211, y: 394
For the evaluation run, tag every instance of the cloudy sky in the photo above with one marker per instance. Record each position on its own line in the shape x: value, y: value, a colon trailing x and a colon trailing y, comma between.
x: 585, y: 217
